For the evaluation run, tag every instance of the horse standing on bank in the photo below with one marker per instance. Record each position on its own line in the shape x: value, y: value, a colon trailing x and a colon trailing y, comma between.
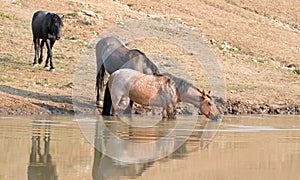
x: 112, y: 54
x: 47, y: 27
x: 142, y: 89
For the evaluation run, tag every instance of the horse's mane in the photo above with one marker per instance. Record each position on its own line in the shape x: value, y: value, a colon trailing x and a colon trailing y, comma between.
x: 56, y: 18
x: 181, y: 84
x: 148, y: 62
x: 138, y: 51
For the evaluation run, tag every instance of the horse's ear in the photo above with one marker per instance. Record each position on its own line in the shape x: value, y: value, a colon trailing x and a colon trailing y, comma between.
x: 62, y: 17
x: 208, y: 93
x: 203, y: 92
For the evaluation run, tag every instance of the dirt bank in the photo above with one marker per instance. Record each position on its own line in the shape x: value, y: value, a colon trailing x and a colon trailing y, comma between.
x: 257, y: 44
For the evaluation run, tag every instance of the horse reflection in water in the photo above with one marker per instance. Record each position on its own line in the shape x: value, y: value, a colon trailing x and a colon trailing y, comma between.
x: 41, y: 166
x: 106, y: 167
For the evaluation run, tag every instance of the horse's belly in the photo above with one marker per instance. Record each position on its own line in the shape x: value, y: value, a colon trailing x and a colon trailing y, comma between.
x: 145, y: 97
x: 146, y: 91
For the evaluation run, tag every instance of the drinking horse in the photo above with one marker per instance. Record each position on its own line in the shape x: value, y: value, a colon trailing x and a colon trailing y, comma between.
x: 112, y: 54
x: 187, y: 93
x: 147, y: 90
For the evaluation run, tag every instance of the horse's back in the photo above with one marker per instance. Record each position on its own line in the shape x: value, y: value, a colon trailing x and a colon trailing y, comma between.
x: 153, y: 90
x: 112, y: 53
x: 38, y: 17
x: 124, y: 78
x: 38, y: 23
x: 127, y: 75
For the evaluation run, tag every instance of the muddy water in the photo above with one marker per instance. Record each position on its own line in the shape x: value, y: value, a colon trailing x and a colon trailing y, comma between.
x: 61, y: 147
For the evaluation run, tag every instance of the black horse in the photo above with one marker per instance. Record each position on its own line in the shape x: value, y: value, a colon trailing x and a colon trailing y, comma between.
x: 47, y: 27
x: 112, y: 55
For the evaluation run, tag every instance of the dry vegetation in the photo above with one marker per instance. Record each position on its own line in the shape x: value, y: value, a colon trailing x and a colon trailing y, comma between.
x: 256, y: 42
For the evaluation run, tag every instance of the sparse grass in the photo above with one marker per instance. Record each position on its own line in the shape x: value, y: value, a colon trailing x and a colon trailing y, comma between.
x: 297, y: 71
x: 44, y: 82
x: 90, y: 22
x: 89, y: 46
x: 60, y: 56
x: 74, y: 13
x: 4, y: 79
x: 8, y: 16
x: 241, y: 87
x: 67, y: 85
x: 262, y: 60
x: 72, y: 58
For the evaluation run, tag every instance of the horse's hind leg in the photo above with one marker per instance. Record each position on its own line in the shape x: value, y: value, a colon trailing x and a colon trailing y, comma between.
x: 115, y: 98
x: 128, y: 108
x: 115, y: 104
x: 41, y: 55
x: 107, y: 104
x: 36, y: 42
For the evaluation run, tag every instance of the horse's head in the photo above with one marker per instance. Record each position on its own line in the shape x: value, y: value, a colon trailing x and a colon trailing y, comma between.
x: 208, y: 107
x: 55, y: 26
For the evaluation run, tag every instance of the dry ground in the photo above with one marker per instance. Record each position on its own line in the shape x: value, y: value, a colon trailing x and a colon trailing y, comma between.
x: 257, y: 43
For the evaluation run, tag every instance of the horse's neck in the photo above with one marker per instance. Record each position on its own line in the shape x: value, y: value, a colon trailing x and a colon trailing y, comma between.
x: 192, y: 96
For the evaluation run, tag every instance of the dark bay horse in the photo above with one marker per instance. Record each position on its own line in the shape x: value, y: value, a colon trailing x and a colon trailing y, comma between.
x: 143, y: 89
x: 112, y: 54
x: 47, y: 27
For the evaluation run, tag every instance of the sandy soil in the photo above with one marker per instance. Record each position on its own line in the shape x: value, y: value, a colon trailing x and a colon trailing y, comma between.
x: 257, y: 44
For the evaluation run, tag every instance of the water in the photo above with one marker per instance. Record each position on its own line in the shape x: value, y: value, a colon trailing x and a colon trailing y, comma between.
x: 61, y: 147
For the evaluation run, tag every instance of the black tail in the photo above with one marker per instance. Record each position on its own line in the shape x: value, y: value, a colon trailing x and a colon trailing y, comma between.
x: 100, y: 81
x: 107, y: 102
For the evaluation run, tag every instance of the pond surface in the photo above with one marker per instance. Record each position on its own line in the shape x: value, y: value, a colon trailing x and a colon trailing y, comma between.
x: 62, y: 147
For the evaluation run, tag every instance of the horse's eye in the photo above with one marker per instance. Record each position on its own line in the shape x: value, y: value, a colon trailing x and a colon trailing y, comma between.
x: 209, y: 103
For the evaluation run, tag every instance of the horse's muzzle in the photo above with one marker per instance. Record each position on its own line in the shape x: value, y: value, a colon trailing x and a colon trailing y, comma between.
x: 214, y: 117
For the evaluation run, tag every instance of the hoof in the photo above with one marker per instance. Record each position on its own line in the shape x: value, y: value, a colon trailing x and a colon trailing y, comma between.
x: 52, y: 70
x: 47, y: 68
x: 99, y: 103
x: 34, y: 64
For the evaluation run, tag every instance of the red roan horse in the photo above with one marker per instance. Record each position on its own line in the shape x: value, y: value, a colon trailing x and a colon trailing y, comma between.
x: 143, y: 89
x: 186, y: 92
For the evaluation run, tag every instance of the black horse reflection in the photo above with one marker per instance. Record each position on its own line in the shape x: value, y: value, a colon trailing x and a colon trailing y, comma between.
x: 40, y: 165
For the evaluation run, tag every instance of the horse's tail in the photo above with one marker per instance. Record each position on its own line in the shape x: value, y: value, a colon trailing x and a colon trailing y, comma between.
x: 107, y: 102
x: 100, y: 81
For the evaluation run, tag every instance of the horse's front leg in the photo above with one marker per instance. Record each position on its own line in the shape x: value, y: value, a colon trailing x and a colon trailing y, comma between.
x: 170, y: 111
x: 164, y: 114
x: 36, y: 42
x: 49, y: 44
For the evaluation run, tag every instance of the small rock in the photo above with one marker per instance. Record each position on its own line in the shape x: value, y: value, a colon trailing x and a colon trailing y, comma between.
x: 89, y: 13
